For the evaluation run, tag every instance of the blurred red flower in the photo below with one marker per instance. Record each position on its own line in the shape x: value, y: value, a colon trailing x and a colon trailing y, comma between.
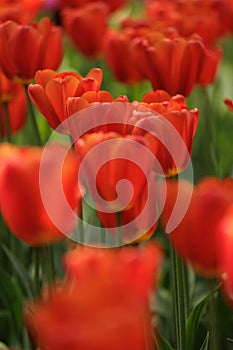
x: 20, y: 198
x: 103, y: 304
x: 20, y: 11
x: 14, y: 100
x: 197, y: 237
x: 189, y: 17
x: 113, y: 5
x: 228, y: 102
x: 86, y: 37
x: 39, y: 42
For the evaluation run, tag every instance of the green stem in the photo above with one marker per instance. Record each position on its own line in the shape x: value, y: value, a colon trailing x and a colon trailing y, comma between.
x: 49, y: 265
x: 37, y: 257
x: 33, y: 118
x: 7, y: 122
x: 119, y: 231
x: 179, y: 300
x: 213, y: 320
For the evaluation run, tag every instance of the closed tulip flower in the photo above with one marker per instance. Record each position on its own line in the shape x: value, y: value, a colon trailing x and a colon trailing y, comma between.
x: 110, y: 160
x: 51, y: 92
x: 21, y: 202
x: 103, y: 304
x: 86, y: 37
x: 174, y: 63
x: 39, y: 42
x: 197, y: 237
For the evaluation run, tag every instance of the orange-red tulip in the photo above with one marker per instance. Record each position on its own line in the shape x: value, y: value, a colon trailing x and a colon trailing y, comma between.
x: 78, y: 25
x: 175, y: 113
x: 20, y: 11
x: 52, y: 90
x: 117, y: 52
x: 189, y: 17
x: 197, y: 237
x: 225, y: 246
x: 21, y: 203
x: 109, y: 161
x: 103, y: 304
x: 12, y: 98
x: 39, y: 41
x: 172, y: 62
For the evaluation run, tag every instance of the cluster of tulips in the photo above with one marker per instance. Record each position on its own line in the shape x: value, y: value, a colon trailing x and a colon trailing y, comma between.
x: 107, y: 178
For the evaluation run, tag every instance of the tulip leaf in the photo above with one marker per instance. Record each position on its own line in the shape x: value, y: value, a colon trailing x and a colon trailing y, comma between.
x: 205, y: 343
x: 193, y: 321
x: 162, y: 343
x: 12, y: 299
x: 21, y: 272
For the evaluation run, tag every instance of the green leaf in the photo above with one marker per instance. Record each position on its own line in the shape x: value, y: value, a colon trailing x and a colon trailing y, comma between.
x: 193, y: 321
x: 12, y: 299
x: 162, y: 343
x: 205, y: 343
x: 21, y: 272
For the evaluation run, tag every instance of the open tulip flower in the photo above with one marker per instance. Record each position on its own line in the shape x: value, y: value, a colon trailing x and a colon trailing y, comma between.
x: 51, y: 92
x: 39, y: 40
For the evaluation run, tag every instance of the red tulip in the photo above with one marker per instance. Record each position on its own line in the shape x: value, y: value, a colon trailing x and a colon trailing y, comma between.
x: 177, y: 130
x: 21, y: 203
x: 52, y: 90
x: 115, y: 168
x: 78, y: 25
x: 103, y: 304
x: 117, y: 51
x: 196, y: 238
x: 20, y: 11
x: 12, y: 98
x: 39, y: 41
x: 174, y: 63
x: 189, y: 17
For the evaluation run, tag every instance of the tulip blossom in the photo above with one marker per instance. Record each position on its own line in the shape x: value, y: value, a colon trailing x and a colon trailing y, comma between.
x: 112, y: 4
x: 103, y: 304
x: 115, y: 168
x: 188, y: 17
x: 20, y: 11
x: 86, y: 38
x: 197, y: 237
x: 118, y: 55
x: 21, y: 203
x: 174, y: 63
x: 225, y: 245
x: 177, y: 129
x: 39, y: 42
x: 52, y: 90
x: 13, y: 101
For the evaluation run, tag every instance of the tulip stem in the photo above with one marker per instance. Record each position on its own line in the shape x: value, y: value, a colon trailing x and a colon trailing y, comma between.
x: 33, y: 118
x: 37, y: 254
x: 179, y: 299
x: 7, y: 122
x: 49, y: 266
x: 119, y: 231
